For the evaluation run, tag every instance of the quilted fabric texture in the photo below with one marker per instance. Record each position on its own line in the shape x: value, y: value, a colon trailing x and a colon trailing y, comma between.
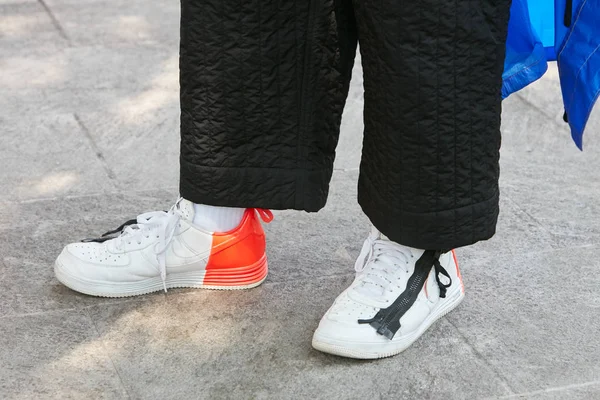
x: 263, y: 85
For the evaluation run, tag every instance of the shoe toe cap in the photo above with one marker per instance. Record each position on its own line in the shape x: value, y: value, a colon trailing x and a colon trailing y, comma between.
x: 95, y: 253
x: 340, y: 323
x: 346, y: 333
x: 83, y: 251
x: 88, y: 260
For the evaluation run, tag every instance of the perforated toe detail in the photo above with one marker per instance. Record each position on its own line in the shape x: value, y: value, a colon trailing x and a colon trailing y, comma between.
x: 346, y: 309
x: 95, y: 253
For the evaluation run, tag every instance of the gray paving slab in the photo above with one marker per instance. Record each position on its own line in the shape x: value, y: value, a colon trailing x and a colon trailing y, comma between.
x: 516, y: 232
x: 74, y: 216
x: 34, y: 290
x: 91, y: 67
x: 55, y: 356
x: 48, y: 156
x: 569, y: 392
x: 122, y: 23
x: 41, y: 228
x: 569, y: 214
x: 348, y: 152
x: 545, y: 95
x: 547, y: 177
x: 90, y: 103
x: 584, y: 391
x: 28, y: 103
x: 533, y: 317
x: 140, y: 138
x: 295, y: 236
x: 533, y: 127
x: 58, y: 174
x: 25, y: 24
x: 256, y: 344
x: 134, y: 98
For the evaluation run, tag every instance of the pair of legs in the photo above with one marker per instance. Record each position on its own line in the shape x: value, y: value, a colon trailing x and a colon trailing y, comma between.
x: 263, y: 86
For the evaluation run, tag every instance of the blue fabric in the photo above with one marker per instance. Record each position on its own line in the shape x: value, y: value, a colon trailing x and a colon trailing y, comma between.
x: 541, y: 15
x: 560, y: 30
x: 579, y: 67
x: 525, y: 59
x: 537, y: 34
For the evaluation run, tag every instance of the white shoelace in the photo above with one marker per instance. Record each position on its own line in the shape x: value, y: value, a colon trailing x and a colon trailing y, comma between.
x: 379, y: 260
x: 160, y: 224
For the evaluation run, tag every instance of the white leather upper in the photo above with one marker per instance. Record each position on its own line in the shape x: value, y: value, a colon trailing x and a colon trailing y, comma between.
x: 135, y: 259
x: 341, y: 320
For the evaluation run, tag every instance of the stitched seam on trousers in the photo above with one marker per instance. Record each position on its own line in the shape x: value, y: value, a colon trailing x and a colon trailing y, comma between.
x: 493, y: 198
x: 212, y: 140
x: 305, y: 116
x: 278, y: 69
x: 195, y: 165
x: 469, y: 102
x: 298, y: 96
x: 374, y: 193
x: 244, y: 71
x: 420, y: 117
x: 437, y: 103
x: 455, y: 44
x: 260, y: 66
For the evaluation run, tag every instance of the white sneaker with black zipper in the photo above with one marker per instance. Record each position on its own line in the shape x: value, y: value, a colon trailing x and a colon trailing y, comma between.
x: 398, y: 293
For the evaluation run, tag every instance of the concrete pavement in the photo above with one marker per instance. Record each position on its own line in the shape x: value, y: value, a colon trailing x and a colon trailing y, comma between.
x: 89, y: 137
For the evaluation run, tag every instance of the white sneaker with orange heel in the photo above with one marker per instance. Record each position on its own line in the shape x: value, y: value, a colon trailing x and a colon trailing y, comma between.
x: 162, y: 250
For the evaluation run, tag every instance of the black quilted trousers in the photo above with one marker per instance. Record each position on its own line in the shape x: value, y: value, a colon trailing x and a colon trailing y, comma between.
x: 263, y: 86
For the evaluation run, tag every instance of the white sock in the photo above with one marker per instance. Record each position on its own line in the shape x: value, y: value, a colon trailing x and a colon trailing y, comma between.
x: 217, y: 219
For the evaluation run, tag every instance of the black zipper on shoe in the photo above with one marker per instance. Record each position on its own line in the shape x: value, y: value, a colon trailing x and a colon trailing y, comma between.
x: 387, y: 320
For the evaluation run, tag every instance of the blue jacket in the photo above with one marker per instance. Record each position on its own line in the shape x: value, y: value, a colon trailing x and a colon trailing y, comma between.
x: 566, y: 31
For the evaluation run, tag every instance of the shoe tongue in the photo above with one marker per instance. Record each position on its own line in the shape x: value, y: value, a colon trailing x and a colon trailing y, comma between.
x: 386, y: 267
x: 185, y: 208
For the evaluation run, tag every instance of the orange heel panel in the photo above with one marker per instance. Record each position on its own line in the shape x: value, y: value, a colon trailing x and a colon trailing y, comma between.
x: 238, y: 257
x: 462, y: 285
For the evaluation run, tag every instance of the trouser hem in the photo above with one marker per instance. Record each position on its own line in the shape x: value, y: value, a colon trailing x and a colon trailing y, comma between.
x: 435, y: 230
x: 246, y: 187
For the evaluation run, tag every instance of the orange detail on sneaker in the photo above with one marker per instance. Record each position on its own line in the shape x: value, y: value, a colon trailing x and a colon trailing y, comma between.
x: 244, y: 248
x: 462, y: 285
x: 163, y: 250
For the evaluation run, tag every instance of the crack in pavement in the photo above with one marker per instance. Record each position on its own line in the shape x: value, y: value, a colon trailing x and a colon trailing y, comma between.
x: 55, y: 21
x: 95, y: 148
x: 548, y: 390
x: 483, y: 359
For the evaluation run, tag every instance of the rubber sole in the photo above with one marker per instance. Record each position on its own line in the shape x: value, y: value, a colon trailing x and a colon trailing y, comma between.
x: 397, y: 345
x: 225, y: 279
